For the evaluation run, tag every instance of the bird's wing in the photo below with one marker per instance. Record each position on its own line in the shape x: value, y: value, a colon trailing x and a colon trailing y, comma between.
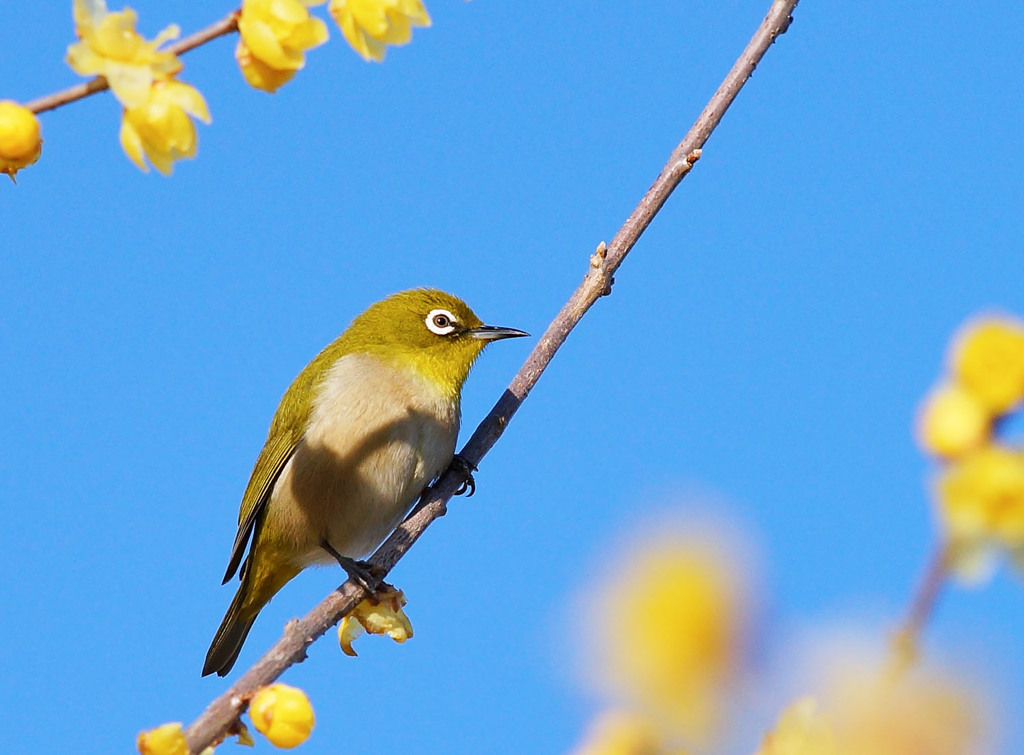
x: 275, y: 454
x: 286, y: 431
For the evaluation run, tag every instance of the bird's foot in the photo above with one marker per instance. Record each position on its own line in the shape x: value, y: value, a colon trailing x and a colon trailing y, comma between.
x: 368, y: 576
x: 464, y: 467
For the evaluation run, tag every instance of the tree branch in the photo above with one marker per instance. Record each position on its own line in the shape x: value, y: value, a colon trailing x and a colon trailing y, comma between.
x: 300, y: 633
x: 905, y: 642
x: 226, y: 25
x: 926, y: 598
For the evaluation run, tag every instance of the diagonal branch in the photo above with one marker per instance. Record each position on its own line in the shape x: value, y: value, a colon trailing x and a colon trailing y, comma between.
x: 906, y: 640
x: 299, y: 634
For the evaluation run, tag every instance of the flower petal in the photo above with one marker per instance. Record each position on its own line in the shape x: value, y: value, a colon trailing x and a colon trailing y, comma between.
x: 189, y: 99
x: 131, y: 143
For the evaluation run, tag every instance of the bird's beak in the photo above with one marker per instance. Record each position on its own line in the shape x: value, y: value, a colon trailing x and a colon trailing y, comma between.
x: 493, y: 333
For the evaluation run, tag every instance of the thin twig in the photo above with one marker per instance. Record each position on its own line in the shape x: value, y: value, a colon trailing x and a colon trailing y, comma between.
x: 922, y: 606
x: 226, y: 25
x: 928, y: 591
x: 300, y: 633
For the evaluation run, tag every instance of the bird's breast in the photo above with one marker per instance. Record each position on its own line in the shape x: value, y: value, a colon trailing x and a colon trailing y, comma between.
x: 377, y: 435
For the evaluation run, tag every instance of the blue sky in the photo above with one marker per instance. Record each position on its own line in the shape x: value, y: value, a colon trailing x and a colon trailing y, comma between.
x: 766, y: 344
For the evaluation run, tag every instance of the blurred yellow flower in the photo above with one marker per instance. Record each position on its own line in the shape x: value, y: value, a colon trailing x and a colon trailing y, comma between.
x: 871, y: 712
x: 952, y: 421
x: 981, y: 503
x: 670, y: 626
x: 282, y: 714
x: 160, y: 128
x: 168, y: 739
x: 802, y: 730
x: 371, y: 25
x: 383, y: 615
x: 110, y: 47
x: 867, y: 704
x: 915, y: 713
x: 987, y: 358
x: 274, y: 35
x: 621, y: 733
x: 20, y: 140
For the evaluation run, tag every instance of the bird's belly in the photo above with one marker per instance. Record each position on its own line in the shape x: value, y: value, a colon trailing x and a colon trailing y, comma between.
x: 359, y: 470
x: 368, y: 499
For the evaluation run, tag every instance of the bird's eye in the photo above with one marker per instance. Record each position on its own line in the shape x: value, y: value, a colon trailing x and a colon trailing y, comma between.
x: 441, y: 321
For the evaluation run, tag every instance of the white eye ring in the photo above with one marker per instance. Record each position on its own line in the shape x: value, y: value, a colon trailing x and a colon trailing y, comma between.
x: 441, y: 321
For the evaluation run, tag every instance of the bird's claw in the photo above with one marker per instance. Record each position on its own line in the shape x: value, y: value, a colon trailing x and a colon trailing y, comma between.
x: 464, y: 467
x: 368, y: 576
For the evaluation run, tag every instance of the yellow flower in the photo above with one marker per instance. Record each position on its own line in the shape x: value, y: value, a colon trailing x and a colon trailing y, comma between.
x: 110, y: 47
x: 282, y: 714
x: 20, y: 141
x: 981, y: 502
x: 274, y: 35
x: 869, y: 711
x: 621, y: 733
x: 382, y: 616
x: 988, y: 359
x: 802, y: 730
x: 160, y: 128
x: 168, y: 739
x: 952, y: 422
x: 371, y: 25
x: 870, y: 705
x: 670, y: 627
x: 921, y: 712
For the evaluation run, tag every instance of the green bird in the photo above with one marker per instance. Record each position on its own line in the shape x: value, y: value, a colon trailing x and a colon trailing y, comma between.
x: 358, y: 435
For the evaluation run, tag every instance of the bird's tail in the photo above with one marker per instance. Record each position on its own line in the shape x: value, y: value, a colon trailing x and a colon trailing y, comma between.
x: 227, y: 643
x: 261, y: 580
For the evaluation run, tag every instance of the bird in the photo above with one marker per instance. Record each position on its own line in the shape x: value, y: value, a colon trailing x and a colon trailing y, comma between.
x: 358, y: 435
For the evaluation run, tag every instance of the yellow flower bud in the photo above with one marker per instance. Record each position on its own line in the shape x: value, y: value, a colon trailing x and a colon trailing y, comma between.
x: 168, y: 739
x: 988, y: 359
x: 952, y: 422
x: 282, y: 714
x: 20, y: 141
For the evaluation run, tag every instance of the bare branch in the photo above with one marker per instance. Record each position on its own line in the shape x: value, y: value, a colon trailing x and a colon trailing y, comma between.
x: 300, y: 633
x: 925, y: 600
x: 226, y: 25
x: 907, y: 639
x: 905, y: 642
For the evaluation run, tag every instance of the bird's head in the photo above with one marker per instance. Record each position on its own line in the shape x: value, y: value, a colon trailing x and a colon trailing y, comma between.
x: 433, y: 332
